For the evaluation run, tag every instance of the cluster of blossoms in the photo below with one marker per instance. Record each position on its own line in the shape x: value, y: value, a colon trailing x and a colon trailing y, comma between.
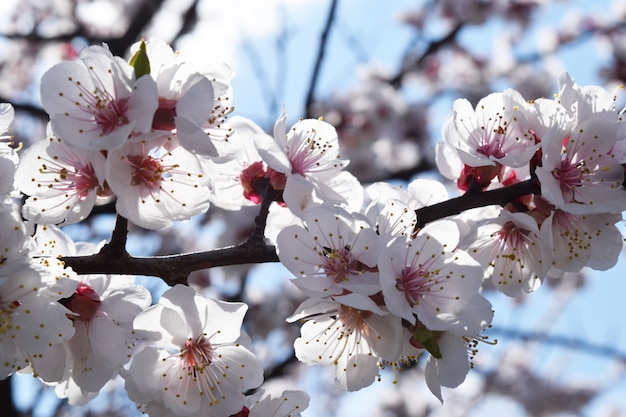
x: 382, y: 288
x: 573, y: 147
x: 145, y: 133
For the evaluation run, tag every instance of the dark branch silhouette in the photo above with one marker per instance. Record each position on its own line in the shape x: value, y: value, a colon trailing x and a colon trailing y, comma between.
x: 6, y: 402
x: 320, y: 58
x: 470, y: 200
x: 174, y: 269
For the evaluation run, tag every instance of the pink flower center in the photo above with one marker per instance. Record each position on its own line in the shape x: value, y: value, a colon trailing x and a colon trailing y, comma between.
x: 492, y: 148
x: 245, y: 412
x: 570, y: 176
x: 478, y: 176
x: 85, y: 302
x: 278, y: 180
x: 354, y: 319
x: 255, y: 172
x: 147, y: 171
x: 415, y: 283
x: 83, y: 179
x: 496, y: 139
x: 563, y: 220
x: 339, y: 264
x: 197, y: 354
x: 306, y: 154
x: 512, y: 238
x: 110, y: 114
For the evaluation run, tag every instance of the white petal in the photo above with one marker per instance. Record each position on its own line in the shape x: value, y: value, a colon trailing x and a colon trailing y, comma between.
x: 109, y: 341
x: 224, y: 320
x: 193, y: 138
x: 359, y: 371
x: 123, y: 304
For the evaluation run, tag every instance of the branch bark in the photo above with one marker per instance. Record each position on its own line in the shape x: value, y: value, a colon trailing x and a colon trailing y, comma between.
x: 500, y: 196
x: 174, y: 269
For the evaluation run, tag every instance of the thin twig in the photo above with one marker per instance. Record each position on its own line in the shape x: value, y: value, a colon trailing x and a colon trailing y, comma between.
x: 562, y: 341
x: 573, y: 41
x: 320, y: 58
x: 434, y: 46
x: 268, y: 196
x: 467, y: 201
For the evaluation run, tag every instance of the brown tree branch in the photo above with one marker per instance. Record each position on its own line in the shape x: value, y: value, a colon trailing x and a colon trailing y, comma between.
x: 470, y: 200
x: 174, y: 269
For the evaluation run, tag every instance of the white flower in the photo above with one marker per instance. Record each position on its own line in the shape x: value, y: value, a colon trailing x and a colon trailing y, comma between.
x: 582, y: 240
x: 103, y: 339
x: 580, y: 172
x: 425, y: 192
x: 33, y: 325
x: 157, y: 182
x: 199, y: 365
x: 389, y: 210
x: 62, y: 182
x: 392, y: 209
x: 392, y: 218
x: 582, y: 102
x: 496, y: 132
x: 447, y: 160
x: 95, y: 102
x: 511, y: 249
x: 356, y: 340
x: 235, y: 173
x: 103, y: 310
x: 333, y: 252
x: 428, y: 277
x: 308, y: 157
x: 15, y: 244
